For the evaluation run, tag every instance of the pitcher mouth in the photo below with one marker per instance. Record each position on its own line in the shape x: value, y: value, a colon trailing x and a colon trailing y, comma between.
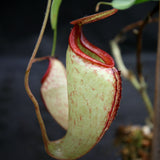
x: 77, y: 39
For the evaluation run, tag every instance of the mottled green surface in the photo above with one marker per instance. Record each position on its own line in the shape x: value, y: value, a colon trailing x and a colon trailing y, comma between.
x: 54, y: 92
x: 91, y: 94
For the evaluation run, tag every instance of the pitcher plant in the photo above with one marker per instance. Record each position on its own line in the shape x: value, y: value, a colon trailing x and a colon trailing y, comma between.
x: 83, y: 98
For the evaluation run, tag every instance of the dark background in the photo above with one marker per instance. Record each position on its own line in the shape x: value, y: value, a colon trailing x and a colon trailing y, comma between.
x: 21, y: 23
x: 20, y: 136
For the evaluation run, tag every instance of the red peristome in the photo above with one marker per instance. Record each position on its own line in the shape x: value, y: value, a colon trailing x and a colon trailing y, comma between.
x: 99, y: 52
x: 117, y: 97
x: 73, y: 40
x: 94, y: 17
x: 47, y: 72
x: 116, y: 102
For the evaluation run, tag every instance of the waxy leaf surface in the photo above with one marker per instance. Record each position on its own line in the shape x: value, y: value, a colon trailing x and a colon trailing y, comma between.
x: 93, y: 89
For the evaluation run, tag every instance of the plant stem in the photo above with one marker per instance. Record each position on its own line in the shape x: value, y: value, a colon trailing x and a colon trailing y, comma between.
x: 26, y: 78
x: 140, y: 84
x: 139, y: 43
x: 131, y: 77
x: 156, y: 137
x: 54, y: 19
x: 133, y: 26
x: 102, y: 3
x: 54, y: 42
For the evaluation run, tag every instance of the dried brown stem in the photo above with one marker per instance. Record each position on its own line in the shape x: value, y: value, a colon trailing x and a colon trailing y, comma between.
x: 156, y: 137
x: 139, y: 43
x: 40, y: 59
x: 132, y: 26
x: 139, y: 85
x: 26, y: 78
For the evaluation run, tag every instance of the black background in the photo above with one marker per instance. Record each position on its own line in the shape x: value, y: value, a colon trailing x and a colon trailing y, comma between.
x: 21, y: 21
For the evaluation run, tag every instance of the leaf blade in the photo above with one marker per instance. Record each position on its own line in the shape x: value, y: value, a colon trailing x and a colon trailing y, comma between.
x: 54, y: 13
x: 122, y: 4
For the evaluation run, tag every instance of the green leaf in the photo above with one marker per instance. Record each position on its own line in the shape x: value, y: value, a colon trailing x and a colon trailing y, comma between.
x: 54, y: 18
x: 122, y: 4
x: 141, y: 1
x: 54, y: 13
x: 125, y: 4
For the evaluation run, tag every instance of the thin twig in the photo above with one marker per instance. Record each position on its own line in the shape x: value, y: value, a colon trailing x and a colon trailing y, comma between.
x: 156, y: 137
x: 127, y: 73
x: 26, y: 79
x: 139, y: 44
x: 40, y: 59
x: 132, y: 26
